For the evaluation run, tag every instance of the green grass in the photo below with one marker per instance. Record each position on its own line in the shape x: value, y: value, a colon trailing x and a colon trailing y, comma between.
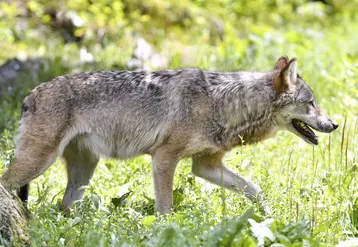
x: 312, y: 190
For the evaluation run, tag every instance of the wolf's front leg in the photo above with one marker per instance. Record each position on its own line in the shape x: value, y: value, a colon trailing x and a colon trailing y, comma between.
x: 163, y: 166
x: 211, y: 168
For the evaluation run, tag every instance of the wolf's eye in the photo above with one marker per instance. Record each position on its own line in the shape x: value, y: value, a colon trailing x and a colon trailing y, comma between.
x: 311, y: 103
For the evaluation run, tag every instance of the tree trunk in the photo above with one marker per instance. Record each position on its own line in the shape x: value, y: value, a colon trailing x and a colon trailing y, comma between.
x: 13, y: 220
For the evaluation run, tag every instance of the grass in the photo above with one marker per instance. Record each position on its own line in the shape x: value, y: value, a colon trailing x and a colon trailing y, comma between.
x: 312, y: 190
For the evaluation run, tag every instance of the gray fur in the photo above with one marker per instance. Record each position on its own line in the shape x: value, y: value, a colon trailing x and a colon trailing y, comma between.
x: 168, y: 114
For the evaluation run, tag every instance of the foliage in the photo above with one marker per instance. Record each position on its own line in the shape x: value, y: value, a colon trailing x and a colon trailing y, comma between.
x: 312, y: 190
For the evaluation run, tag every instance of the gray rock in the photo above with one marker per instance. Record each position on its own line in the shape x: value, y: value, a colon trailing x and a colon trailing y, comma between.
x: 146, y: 58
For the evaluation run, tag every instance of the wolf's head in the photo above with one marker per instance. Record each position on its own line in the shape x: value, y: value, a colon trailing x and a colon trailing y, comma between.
x: 297, y: 110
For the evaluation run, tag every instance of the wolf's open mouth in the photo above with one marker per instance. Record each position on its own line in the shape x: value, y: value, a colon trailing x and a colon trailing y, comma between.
x: 304, y: 130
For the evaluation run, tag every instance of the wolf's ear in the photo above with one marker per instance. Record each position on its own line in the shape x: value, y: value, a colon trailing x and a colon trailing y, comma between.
x: 281, y: 63
x: 290, y: 71
x: 287, y: 76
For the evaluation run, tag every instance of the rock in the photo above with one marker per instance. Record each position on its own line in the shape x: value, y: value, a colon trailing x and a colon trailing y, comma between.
x: 10, y: 70
x: 143, y: 50
x: 146, y: 58
x: 13, y: 69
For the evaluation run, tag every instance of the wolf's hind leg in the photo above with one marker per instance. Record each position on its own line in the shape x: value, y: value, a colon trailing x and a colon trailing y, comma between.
x: 34, y: 154
x: 80, y: 164
x: 211, y: 168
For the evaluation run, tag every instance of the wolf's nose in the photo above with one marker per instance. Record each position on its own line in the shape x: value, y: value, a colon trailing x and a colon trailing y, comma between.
x: 335, y: 125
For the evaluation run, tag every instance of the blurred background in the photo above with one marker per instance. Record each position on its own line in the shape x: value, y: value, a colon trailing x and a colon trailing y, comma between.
x: 40, y: 39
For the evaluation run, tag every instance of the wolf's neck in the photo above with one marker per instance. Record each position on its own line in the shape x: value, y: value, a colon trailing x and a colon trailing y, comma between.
x: 243, y: 104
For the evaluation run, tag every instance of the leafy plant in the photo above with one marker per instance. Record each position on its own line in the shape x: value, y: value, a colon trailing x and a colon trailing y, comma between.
x: 311, y: 190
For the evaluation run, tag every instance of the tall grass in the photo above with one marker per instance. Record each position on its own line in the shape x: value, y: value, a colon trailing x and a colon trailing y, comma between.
x: 312, y: 191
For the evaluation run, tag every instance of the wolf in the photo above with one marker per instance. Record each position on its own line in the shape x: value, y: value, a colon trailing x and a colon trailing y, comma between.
x: 167, y: 114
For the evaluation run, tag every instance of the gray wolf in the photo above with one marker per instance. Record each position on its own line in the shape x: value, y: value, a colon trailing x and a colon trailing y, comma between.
x: 167, y: 114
